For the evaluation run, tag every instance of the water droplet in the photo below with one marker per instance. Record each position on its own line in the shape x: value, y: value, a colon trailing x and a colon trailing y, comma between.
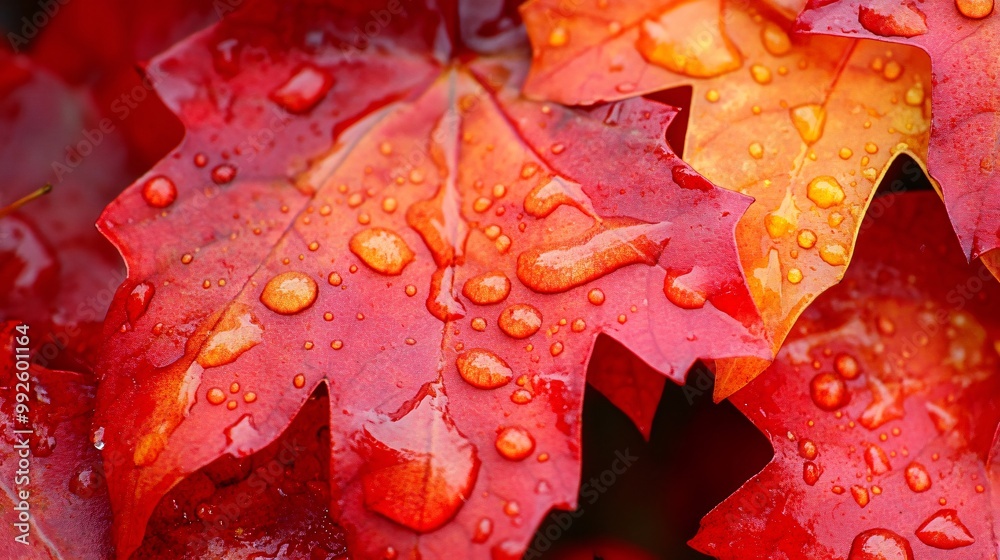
x: 558, y: 37
x: 556, y: 348
x: 760, y: 74
x: 148, y: 448
x: 671, y: 42
x: 86, y: 483
x: 825, y: 192
x: 616, y: 243
x: 860, y: 495
x: 811, y: 473
x: 419, y: 469
x: 794, y: 275
x: 200, y: 160
x: 507, y: 550
x: 520, y: 320
x: 595, y: 296
x: 299, y: 381
x: 289, y: 293
x: 880, y: 544
x: 547, y: 197
x: 945, y: 530
x: 834, y: 254
x: 828, y: 391
x: 215, y: 395
x: 756, y: 150
x: 487, y: 288
x: 917, y: 477
x: 223, y: 174
x: 483, y: 530
x: 682, y: 289
x: 809, y: 120
x: 159, y: 192
x: 521, y: 396
x: 877, y: 460
x: 808, y: 449
x: 974, y: 9
x: 712, y: 95
x: 304, y: 90
x: 138, y: 301
x: 236, y: 332
x: 847, y: 366
x: 893, y: 19
x: 441, y: 301
x: 774, y: 39
x: 484, y: 369
x: 806, y: 239
x: 915, y: 95
x: 515, y: 443
x: 383, y: 250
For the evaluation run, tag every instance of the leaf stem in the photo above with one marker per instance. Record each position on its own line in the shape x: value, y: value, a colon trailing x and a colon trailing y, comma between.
x: 10, y: 208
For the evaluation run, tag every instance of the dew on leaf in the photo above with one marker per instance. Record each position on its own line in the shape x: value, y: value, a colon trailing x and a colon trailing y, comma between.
x: 299, y: 381
x: 809, y: 120
x: 515, y: 443
x: 236, y: 332
x: 880, y: 544
x: 669, y: 41
x: 483, y: 369
x: 860, y: 495
x: 289, y: 293
x: 441, y: 301
x: 383, y: 250
x: 484, y: 528
x: 847, y: 366
x: 487, y: 288
x: 828, y: 391
x: 810, y: 473
x: 595, y: 296
x: 893, y: 20
x: 520, y: 320
x: 681, y: 289
x: 159, y: 192
x: 974, y: 9
x: 917, y: 477
x: 825, y: 192
x: 304, y: 90
x: 546, y: 197
x: 774, y: 39
x: 944, y: 530
x: 138, y: 301
x: 215, y: 395
x: 877, y: 460
x: 223, y: 174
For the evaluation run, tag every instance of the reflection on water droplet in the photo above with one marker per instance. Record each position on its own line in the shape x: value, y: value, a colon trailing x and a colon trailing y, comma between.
x: 760, y: 74
x: 515, y: 443
x: 847, y: 366
x: 138, y: 301
x: 917, y: 477
x: 616, y: 243
x: 901, y: 19
x: 974, y: 9
x: 299, y: 381
x: 809, y: 120
x: 682, y: 289
x: 419, y: 468
x: 880, y: 544
x: 825, y: 191
x: 441, y: 301
x: 303, y: 90
x: 808, y: 449
x: 811, y: 473
x: 289, y: 293
x: 670, y: 41
x: 828, y: 391
x: 860, y: 495
x: 944, y: 530
x: 383, y: 250
x: 546, y: 197
x: 484, y: 369
x: 487, y: 288
x: 520, y: 320
x: 877, y: 460
x: 159, y: 192
x: 86, y: 483
x: 223, y: 174
x: 483, y: 530
x: 774, y: 39
x: 236, y: 332
x: 215, y: 395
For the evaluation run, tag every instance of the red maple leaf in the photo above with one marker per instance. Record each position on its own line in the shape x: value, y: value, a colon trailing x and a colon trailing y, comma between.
x: 962, y: 156
x: 54, y: 493
x: 364, y: 200
x: 882, y: 408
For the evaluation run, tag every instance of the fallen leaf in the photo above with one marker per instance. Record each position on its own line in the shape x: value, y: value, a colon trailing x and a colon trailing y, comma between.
x: 882, y: 409
x: 962, y: 154
x: 444, y: 264
x: 50, y: 474
x: 807, y: 126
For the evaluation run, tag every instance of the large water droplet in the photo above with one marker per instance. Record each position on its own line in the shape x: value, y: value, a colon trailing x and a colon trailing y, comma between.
x: 289, y: 293
x: 774, y: 39
x: 944, y: 530
x: 159, y: 192
x: 546, y: 197
x: 487, y: 288
x: 420, y: 469
x: 828, y: 391
x: 520, y: 320
x: 917, y: 477
x: 672, y: 42
x: 515, y: 443
x: 600, y: 251
x: 880, y: 544
x: 236, y: 332
x: 825, y: 191
x: 138, y: 301
x: 484, y: 369
x: 974, y: 9
x: 901, y: 19
x: 383, y: 250
x: 809, y: 120
x: 682, y: 288
x: 304, y: 90
x: 441, y: 300
x: 877, y: 460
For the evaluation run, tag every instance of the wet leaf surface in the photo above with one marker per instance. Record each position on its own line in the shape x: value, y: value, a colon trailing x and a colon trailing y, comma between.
x: 438, y: 250
x: 882, y: 409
